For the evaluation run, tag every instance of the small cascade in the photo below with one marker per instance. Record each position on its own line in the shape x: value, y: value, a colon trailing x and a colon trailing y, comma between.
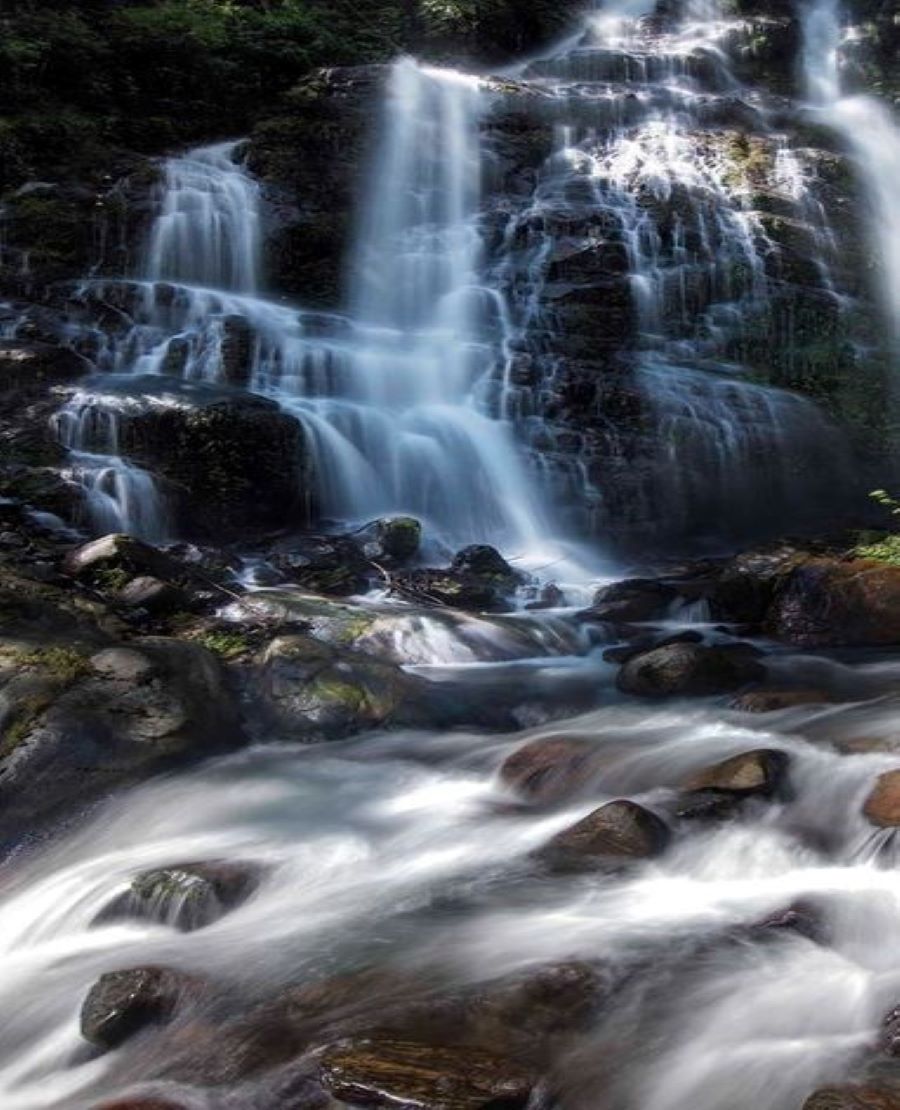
x: 871, y: 131
x: 208, y: 229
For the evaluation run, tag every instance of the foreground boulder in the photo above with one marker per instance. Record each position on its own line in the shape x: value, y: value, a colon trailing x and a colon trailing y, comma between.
x: 828, y: 602
x: 882, y: 806
x: 188, y: 895
x: 79, y: 721
x: 121, y: 1003
x: 620, y: 830
x: 549, y: 768
x: 690, y: 670
x: 760, y: 772
x: 393, y: 1073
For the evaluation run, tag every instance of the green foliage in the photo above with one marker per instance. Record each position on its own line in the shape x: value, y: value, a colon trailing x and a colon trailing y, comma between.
x: 63, y: 664
x: 884, y: 550
x: 146, y: 75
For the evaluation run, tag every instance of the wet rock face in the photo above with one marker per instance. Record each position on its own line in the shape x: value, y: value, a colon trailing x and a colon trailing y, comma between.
x: 404, y: 1073
x: 231, y: 464
x: 827, y: 601
x: 121, y: 1003
x: 772, y: 700
x: 688, y: 670
x: 27, y: 364
x: 618, y: 831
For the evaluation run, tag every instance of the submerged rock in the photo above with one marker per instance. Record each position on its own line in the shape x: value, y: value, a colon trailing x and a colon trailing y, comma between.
x: 392, y: 1073
x: 620, y: 830
x: 549, y: 768
x: 188, y: 895
x: 756, y: 772
x: 770, y: 699
x: 687, y: 670
x: 882, y: 806
x: 121, y: 1003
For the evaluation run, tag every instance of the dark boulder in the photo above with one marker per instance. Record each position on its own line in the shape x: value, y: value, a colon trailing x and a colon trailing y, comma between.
x: 395, y: 538
x: 482, y: 561
x: 635, y: 599
x: 121, y: 1003
x: 618, y: 831
x: 152, y: 594
x: 119, y: 554
x: 687, y: 670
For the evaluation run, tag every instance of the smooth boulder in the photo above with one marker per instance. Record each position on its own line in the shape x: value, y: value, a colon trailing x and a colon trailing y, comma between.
x: 759, y: 772
x: 549, y: 768
x: 864, y: 1096
x: 689, y: 670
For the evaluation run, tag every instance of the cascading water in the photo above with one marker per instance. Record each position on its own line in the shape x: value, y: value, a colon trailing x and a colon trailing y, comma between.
x: 388, y: 397
x: 406, y: 851
x: 640, y: 247
x: 871, y: 131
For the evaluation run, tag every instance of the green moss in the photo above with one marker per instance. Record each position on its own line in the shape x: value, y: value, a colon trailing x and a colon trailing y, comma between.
x: 112, y: 579
x: 61, y: 663
x: 227, y: 645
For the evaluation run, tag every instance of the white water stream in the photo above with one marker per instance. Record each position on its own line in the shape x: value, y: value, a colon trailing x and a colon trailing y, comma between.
x: 365, y: 840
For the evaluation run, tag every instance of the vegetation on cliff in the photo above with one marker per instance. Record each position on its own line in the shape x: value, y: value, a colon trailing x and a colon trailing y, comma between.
x: 81, y: 77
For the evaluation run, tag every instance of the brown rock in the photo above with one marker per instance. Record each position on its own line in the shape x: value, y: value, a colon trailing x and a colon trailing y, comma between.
x: 829, y: 601
x: 619, y: 830
x: 756, y: 772
x: 549, y: 768
x: 407, y: 1074
x: 141, y: 1102
x: 121, y: 553
x: 882, y: 807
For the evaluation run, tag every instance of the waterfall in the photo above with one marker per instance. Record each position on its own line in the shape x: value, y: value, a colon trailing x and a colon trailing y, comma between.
x: 871, y: 131
x: 208, y: 229
x: 389, y: 396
